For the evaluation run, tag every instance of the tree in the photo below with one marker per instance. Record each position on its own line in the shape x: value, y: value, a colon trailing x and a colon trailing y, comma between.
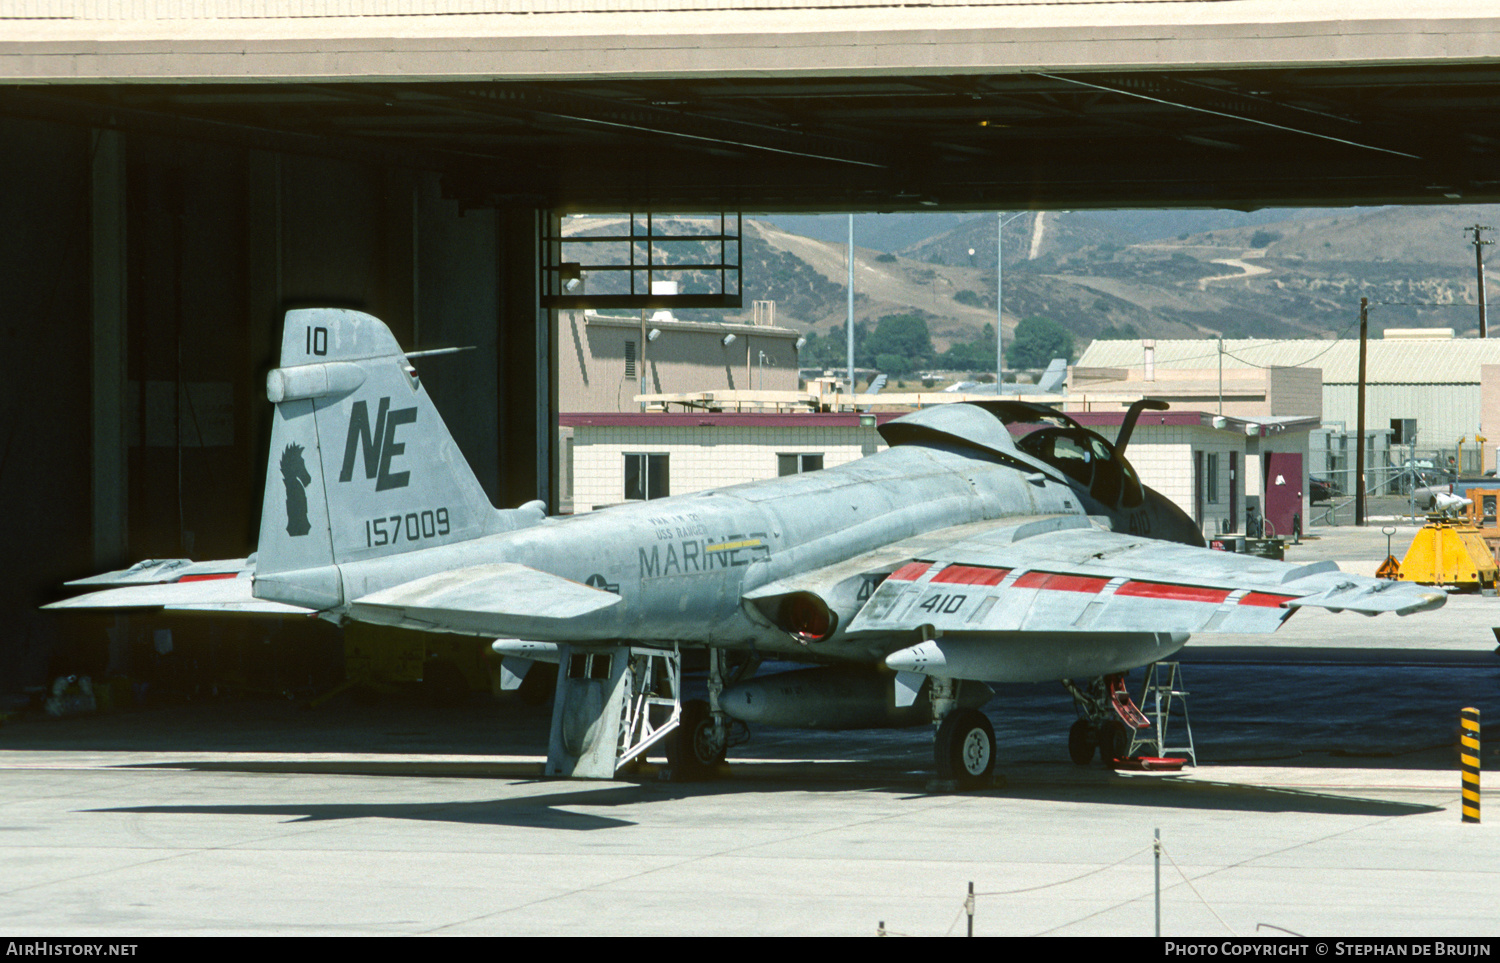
x: 903, y: 337
x: 1038, y: 340
x: 977, y: 355
x: 822, y: 352
x: 970, y: 356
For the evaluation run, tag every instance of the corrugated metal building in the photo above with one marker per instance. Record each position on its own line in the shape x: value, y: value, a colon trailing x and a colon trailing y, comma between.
x: 1433, y: 379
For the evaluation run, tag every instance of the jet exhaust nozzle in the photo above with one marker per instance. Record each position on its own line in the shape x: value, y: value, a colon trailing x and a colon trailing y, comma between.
x: 807, y: 617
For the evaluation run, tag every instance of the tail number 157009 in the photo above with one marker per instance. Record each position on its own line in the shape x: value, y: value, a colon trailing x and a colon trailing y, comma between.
x: 411, y: 527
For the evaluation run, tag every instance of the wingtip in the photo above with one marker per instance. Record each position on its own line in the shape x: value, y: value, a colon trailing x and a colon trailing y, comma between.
x: 1428, y: 602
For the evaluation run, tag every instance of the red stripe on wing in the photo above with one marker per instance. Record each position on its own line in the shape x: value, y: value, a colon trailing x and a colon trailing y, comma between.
x: 1175, y: 593
x: 1056, y: 581
x: 910, y: 572
x: 971, y: 575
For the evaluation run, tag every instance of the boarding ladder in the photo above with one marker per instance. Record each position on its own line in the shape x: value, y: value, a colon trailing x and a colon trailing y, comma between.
x: 1161, y: 693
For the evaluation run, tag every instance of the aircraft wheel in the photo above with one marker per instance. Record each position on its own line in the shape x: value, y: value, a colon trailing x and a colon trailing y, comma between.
x: 965, y: 749
x: 692, y: 749
x: 1114, y: 741
x: 1083, y: 739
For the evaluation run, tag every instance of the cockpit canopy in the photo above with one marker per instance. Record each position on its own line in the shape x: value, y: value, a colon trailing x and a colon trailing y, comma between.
x: 1043, y: 433
x: 1089, y: 460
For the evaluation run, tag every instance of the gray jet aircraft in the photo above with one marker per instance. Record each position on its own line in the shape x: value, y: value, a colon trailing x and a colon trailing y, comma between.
x: 1050, y: 383
x: 991, y: 542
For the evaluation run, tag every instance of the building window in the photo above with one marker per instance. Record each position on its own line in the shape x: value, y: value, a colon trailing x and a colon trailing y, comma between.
x: 646, y: 477
x: 630, y: 359
x: 1213, y: 477
x: 796, y: 463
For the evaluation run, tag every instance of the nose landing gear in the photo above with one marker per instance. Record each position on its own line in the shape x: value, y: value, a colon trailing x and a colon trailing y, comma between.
x: 963, y: 746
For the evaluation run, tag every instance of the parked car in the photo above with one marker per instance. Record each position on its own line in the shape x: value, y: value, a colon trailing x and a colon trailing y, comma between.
x: 1322, y: 489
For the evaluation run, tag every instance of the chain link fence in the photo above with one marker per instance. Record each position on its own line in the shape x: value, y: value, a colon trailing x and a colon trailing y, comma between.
x: 1398, y: 481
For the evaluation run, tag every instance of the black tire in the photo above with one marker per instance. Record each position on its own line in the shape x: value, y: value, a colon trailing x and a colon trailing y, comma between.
x: 1114, y: 741
x: 965, y: 749
x: 1083, y: 740
x: 692, y: 750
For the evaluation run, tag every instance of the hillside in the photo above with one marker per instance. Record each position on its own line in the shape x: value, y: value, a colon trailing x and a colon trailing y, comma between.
x: 1301, y: 276
x: 807, y: 279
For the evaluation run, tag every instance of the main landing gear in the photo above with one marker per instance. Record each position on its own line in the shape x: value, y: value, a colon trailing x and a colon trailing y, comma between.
x: 1107, y: 721
x: 964, y: 744
x: 697, y: 748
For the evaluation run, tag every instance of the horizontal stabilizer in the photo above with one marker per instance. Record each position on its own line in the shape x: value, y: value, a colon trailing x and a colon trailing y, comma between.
x: 226, y: 593
x: 159, y: 571
x: 496, y: 600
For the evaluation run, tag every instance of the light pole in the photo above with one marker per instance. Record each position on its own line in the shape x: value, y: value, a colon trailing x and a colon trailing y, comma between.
x: 1000, y: 221
x: 1479, y: 243
x: 851, y: 304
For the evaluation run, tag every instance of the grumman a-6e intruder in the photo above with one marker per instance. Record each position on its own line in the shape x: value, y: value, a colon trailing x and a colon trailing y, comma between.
x: 992, y: 542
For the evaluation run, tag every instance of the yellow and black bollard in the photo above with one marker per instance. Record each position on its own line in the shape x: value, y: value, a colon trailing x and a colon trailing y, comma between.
x: 1468, y: 756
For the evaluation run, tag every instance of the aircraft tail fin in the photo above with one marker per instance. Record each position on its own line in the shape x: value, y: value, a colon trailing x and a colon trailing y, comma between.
x: 361, y: 464
x: 1052, y: 378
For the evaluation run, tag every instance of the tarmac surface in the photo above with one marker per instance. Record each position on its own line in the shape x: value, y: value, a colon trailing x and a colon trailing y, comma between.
x: 1324, y: 803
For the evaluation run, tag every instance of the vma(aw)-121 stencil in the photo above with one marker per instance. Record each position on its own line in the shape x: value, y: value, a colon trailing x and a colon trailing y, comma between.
x: 991, y: 542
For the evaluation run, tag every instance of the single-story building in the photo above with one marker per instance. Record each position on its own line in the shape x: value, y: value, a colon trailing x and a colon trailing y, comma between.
x: 1213, y: 467
x: 605, y: 361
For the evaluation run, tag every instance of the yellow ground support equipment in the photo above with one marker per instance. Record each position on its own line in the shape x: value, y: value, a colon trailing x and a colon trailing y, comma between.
x: 1449, y: 553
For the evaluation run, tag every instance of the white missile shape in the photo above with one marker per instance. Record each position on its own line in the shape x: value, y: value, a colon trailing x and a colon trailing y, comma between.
x: 522, y: 649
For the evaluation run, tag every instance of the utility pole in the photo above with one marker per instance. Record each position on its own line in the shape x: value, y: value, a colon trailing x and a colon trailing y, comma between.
x: 1000, y: 221
x: 1221, y: 374
x: 851, y: 304
x: 1359, y: 456
x: 999, y: 308
x: 1479, y: 242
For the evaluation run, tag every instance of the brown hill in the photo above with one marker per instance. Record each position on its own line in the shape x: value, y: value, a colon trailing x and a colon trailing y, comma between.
x: 1302, y: 277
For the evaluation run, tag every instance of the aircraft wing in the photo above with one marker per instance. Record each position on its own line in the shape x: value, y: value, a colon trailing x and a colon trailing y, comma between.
x: 503, y: 599
x: 1087, y: 580
x: 178, y: 585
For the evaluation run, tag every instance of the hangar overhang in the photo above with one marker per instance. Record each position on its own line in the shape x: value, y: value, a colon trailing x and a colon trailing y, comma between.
x: 706, y: 105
